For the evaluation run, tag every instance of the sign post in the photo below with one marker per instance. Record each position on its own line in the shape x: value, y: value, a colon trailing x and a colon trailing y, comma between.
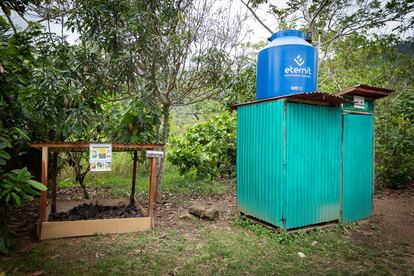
x: 152, y: 154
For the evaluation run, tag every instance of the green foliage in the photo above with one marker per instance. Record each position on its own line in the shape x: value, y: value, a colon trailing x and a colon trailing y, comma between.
x: 243, y: 85
x: 16, y: 62
x: 208, y: 148
x: 134, y: 122
x: 395, y: 141
x: 17, y: 187
x: 4, y: 155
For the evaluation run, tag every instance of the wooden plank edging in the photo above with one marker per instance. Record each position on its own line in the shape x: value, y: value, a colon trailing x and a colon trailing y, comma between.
x: 77, y: 228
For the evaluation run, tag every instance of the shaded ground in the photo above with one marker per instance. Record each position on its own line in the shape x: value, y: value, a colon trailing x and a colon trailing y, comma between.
x: 392, y: 227
x: 230, y: 246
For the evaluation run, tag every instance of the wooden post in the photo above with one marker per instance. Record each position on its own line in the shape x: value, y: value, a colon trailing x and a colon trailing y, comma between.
x: 43, y: 195
x: 152, y: 190
x: 54, y: 180
x: 134, y: 177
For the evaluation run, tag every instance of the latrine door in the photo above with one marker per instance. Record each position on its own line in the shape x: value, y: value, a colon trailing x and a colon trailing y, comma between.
x: 357, y: 167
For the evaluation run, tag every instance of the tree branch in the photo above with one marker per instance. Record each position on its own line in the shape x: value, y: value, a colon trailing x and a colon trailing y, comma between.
x: 323, y: 5
x: 256, y: 16
x: 9, y: 19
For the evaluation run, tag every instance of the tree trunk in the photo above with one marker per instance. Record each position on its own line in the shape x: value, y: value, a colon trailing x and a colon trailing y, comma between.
x: 82, y: 184
x: 134, y: 177
x: 161, y: 171
x: 75, y: 162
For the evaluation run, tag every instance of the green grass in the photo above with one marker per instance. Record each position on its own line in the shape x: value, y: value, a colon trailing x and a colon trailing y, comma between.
x: 208, y: 249
x: 119, y: 180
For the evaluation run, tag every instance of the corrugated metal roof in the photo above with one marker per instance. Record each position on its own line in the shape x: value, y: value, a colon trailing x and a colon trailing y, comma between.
x: 309, y: 97
x: 366, y: 91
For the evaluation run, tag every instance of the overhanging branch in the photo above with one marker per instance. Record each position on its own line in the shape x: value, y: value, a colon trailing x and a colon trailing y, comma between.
x: 256, y: 16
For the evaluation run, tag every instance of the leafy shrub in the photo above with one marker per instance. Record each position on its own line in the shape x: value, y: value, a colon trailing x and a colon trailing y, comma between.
x: 395, y: 141
x: 209, y: 148
x: 16, y: 187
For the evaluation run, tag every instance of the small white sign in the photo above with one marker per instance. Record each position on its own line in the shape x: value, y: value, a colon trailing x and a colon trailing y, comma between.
x: 154, y: 153
x: 100, y: 157
x: 359, y: 102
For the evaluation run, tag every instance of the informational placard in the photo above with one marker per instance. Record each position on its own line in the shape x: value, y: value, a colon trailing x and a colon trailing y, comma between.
x: 359, y: 102
x: 154, y: 154
x: 100, y: 157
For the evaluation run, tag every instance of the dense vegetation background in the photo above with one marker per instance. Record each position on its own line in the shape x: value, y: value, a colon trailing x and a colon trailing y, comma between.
x: 170, y: 71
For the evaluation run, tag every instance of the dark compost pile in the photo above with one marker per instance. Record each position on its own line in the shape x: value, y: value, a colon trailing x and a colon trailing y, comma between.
x: 95, y: 211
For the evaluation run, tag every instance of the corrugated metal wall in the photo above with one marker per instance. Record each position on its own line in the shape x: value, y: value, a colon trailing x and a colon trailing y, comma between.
x: 357, y: 178
x: 260, y: 160
x: 313, y: 152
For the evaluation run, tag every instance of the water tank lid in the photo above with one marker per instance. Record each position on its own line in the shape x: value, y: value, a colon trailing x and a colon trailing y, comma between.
x: 289, y: 32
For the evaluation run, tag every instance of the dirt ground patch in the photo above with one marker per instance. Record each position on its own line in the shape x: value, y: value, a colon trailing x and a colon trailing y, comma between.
x: 172, y: 207
x: 392, y: 225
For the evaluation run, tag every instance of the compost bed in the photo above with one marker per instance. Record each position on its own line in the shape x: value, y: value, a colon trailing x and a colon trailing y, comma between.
x: 88, y: 211
x: 80, y: 222
x: 86, y: 218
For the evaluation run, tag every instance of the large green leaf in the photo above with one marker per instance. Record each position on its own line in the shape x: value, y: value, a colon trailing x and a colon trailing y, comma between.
x: 16, y: 198
x: 4, y: 154
x: 3, y: 145
x: 37, y: 185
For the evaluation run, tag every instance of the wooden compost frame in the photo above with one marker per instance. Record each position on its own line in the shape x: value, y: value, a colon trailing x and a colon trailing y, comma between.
x: 62, y: 229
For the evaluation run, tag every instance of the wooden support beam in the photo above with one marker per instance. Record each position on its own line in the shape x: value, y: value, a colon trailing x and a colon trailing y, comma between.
x: 85, y: 146
x: 152, y: 189
x: 134, y: 178
x: 43, y: 195
x: 54, y: 180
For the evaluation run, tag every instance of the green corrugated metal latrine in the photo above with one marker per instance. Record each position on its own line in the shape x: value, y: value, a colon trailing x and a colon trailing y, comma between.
x: 302, y: 162
x: 288, y: 162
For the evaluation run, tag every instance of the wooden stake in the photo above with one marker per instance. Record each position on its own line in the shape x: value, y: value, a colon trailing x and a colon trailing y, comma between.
x: 152, y: 190
x: 134, y: 177
x: 54, y: 180
x: 43, y: 195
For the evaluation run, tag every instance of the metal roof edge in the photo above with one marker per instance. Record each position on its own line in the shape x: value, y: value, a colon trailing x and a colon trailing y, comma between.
x: 367, y: 91
x: 321, y: 97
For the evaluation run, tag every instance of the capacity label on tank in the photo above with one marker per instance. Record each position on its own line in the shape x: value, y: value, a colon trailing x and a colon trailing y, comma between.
x: 296, y: 88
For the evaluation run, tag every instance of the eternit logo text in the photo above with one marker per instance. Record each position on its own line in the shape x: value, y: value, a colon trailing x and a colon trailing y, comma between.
x: 298, y: 70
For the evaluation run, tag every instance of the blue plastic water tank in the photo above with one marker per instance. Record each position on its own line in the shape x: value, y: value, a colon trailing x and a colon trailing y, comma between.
x: 287, y: 65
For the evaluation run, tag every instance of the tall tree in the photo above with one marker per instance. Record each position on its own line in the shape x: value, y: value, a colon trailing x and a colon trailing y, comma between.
x: 170, y: 52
